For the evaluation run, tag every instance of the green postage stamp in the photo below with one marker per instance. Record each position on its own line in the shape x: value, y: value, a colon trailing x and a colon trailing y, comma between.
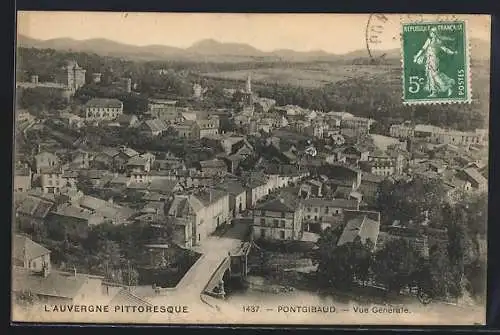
x: 435, y: 58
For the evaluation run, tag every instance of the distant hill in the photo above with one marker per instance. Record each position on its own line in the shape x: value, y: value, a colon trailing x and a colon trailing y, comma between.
x: 215, y: 51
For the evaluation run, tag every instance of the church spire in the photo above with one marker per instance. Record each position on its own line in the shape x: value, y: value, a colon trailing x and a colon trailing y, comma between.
x: 249, y: 84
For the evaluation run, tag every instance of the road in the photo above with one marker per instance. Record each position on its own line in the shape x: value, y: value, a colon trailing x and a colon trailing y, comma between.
x: 189, y: 290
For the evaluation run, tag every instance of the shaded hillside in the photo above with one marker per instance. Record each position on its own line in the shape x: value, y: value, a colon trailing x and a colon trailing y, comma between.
x: 380, y: 97
x: 214, y: 51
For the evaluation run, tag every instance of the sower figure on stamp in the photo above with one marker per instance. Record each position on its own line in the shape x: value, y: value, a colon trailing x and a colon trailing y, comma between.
x: 436, y: 81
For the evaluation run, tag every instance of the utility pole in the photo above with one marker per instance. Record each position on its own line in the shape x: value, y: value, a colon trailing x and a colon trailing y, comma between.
x: 129, y: 274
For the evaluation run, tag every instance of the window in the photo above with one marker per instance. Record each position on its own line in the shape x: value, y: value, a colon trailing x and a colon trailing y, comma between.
x: 308, y: 209
x: 262, y: 222
x: 282, y: 214
x: 34, y: 264
x: 337, y: 211
x: 326, y: 210
x: 282, y: 224
x: 275, y: 223
x: 315, y: 209
x: 263, y: 213
x: 263, y: 233
x: 282, y: 234
x: 308, y: 216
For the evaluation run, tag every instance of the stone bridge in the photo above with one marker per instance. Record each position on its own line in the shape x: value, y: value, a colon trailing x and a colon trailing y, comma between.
x: 232, y: 266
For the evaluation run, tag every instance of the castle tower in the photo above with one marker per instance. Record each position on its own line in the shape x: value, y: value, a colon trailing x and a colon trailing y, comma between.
x: 75, y: 75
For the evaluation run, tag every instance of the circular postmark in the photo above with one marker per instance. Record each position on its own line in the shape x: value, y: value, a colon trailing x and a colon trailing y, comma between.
x: 383, y: 32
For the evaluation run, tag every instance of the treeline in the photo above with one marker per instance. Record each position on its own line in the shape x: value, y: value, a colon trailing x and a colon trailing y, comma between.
x: 379, y: 98
x: 111, y: 251
x: 447, y: 272
x: 455, y: 262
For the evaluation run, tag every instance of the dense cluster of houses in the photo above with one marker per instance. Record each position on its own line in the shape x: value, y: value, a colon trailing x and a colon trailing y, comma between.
x: 289, y: 193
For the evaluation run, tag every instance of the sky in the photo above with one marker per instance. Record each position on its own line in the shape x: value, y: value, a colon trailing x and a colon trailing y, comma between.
x: 335, y: 33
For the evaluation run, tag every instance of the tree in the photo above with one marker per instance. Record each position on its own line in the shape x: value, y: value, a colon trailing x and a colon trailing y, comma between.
x: 84, y: 184
x: 476, y: 277
x: 134, y: 104
x: 412, y: 200
x: 461, y: 247
x: 339, y: 266
x: 396, y: 264
x: 36, y: 100
x: 440, y: 275
x: 26, y: 298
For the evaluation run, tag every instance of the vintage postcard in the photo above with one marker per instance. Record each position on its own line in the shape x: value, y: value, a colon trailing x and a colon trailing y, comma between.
x: 294, y: 169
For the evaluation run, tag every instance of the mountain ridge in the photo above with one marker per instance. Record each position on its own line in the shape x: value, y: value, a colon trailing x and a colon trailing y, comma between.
x: 206, y: 49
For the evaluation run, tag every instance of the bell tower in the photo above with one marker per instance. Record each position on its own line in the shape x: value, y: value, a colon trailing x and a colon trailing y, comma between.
x: 248, y: 87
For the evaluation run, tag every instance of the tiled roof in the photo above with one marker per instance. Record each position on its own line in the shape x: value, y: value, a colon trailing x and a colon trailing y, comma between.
x: 70, y: 174
x: 22, y: 171
x: 213, y: 163
x: 208, y: 197
x: 129, y: 152
x: 111, y: 152
x: 232, y: 187
x: 95, y: 174
x: 51, y: 170
x: 74, y: 212
x: 104, y: 103
x: 56, y: 284
x: 92, y: 202
x: 126, y: 118
x: 155, y: 125
x: 137, y: 160
x: 34, y: 207
x: 25, y: 248
x: 475, y: 175
x: 277, y: 205
x: 361, y: 226
x: 46, y: 155
x: 339, y: 203
x: 179, y: 203
x: 125, y: 297
x: 372, y: 178
x: 163, y: 185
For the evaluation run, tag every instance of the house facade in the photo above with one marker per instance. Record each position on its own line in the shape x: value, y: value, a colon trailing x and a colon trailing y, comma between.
x: 164, y: 110
x: 327, y: 212
x: 22, y: 178
x: 237, y: 196
x: 99, y: 109
x: 381, y: 164
x: 46, y: 160
x: 29, y: 254
x: 194, y: 217
x: 278, y: 219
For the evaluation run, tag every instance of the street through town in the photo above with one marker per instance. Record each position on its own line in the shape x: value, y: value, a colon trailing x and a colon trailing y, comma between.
x: 189, y: 290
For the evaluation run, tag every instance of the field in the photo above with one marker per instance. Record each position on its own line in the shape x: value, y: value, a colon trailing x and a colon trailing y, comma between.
x: 305, y: 75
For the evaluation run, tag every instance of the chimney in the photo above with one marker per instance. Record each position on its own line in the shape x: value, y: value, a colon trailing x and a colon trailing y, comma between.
x: 74, y: 270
